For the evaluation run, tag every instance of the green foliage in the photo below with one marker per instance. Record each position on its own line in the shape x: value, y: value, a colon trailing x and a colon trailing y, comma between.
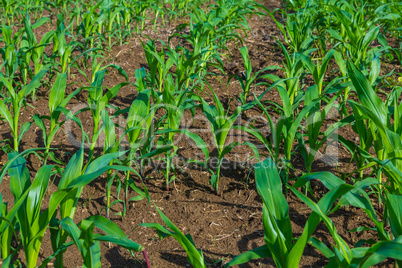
x: 194, y: 256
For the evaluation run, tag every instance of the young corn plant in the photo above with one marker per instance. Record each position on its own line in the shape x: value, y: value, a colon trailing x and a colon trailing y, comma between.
x: 280, y: 245
x: 140, y: 135
x: 221, y: 124
x: 7, y: 250
x: 75, y: 176
x: 88, y: 242
x: 175, y: 101
x: 356, y: 33
x: 284, y: 130
x: 112, y: 144
x: 15, y: 99
x: 319, y: 69
x: 298, y: 31
x: 294, y: 71
x: 14, y: 57
x: 315, y: 118
x: 189, y: 66
x: 247, y: 79
x: 34, y: 50
x: 32, y: 220
x: 57, y: 106
x: 89, y: 26
x: 278, y: 233
x: 98, y: 66
x: 10, y: 7
x: 389, y: 238
x: 158, y: 65
x: 206, y: 50
x: 97, y: 102
x: 194, y: 255
x: 112, y: 15
x: 8, y: 217
x: 64, y: 51
x: 385, y: 135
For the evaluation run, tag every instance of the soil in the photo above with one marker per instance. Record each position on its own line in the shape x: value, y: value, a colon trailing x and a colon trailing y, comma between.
x: 223, y: 225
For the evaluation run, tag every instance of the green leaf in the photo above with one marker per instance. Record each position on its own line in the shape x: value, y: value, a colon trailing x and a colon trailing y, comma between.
x: 257, y: 253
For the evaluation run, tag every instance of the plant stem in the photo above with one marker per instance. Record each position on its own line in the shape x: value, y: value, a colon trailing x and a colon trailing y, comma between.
x: 126, y: 191
x: 108, y: 186
x: 144, y: 252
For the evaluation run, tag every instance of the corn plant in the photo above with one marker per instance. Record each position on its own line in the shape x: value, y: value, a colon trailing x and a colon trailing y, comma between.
x: 75, y: 176
x: 278, y: 231
x: 247, y: 79
x: 57, y: 104
x: 298, y: 31
x: 189, y: 65
x: 319, y: 69
x: 33, y: 222
x: 9, y: 8
x: 140, y: 14
x: 208, y: 43
x: 212, y: 29
x: 356, y: 34
x: 88, y: 243
x: 7, y: 251
x: 158, y: 66
x: 139, y: 120
x: 126, y: 18
x: 294, y: 71
x: 110, y: 146
x: 276, y: 221
x: 8, y: 217
x: 232, y: 15
x: 97, y: 102
x: 341, y: 254
x: 140, y: 135
x: 14, y: 100
x: 174, y: 105
x: 98, y: 66
x: 111, y: 12
x: 12, y: 55
x: 89, y: 26
x: 64, y: 51
x: 175, y: 101
x: 221, y: 124
x: 286, y: 127
x: 113, y: 145
x: 34, y: 50
x: 315, y: 118
x: 385, y: 136
x: 194, y: 255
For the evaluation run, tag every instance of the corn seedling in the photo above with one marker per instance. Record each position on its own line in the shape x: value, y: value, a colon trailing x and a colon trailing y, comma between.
x: 57, y: 106
x: 76, y: 175
x: 88, y: 243
x: 221, y: 124
x: 247, y: 79
x: 194, y: 256
x: 298, y: 31
x: 294, y: 71
x: 14, y: 100
x: 315, y: 118
x: 97, y: 102
x: 385, y: 136
x: 277, y: 226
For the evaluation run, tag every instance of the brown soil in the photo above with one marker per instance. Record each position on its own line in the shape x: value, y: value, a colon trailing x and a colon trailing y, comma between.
x: 222, y: 225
